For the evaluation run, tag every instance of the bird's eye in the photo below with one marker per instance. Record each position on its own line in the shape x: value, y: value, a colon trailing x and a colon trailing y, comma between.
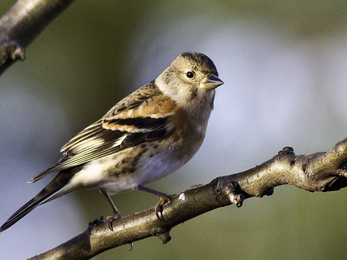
x: 190, y: 74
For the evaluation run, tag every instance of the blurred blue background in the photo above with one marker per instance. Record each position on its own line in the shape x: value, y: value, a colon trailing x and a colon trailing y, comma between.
x: 284, y: 64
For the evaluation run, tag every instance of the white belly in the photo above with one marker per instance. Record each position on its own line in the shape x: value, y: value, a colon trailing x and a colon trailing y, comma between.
x: 102, y: 173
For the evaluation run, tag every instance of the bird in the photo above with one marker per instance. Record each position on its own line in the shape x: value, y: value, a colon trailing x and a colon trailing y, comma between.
x: 147, y: 135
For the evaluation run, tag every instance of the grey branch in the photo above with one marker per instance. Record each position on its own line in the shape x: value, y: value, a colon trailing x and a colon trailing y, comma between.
x: 324, y: 171
x: 22, y: 24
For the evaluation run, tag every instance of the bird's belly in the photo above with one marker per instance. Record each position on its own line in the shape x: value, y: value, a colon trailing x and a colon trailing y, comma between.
x: 149, y: 169
x: 132, y: 167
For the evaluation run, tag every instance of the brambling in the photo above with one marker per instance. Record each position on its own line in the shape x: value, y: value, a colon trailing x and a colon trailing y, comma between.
x: 144, y: 137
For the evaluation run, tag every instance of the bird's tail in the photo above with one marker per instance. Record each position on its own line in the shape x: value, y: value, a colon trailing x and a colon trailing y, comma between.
x: 29, y: 206
x: 47, y: 193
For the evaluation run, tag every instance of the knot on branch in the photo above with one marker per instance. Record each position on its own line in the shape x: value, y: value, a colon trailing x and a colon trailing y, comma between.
x: 164, y: 236
x: 92, y: 226
x: 226, y: 189
x: 322, y: 171
x: 11, y: 51
x: 286, y: 150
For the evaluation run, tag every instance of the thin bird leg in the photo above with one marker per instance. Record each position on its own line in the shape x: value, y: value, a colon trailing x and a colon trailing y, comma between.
x: 116, y: 213
x: 163, y: 199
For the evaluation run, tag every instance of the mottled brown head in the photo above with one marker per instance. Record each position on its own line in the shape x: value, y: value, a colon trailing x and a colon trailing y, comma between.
x: 192, y: 75
x: 205, y: 63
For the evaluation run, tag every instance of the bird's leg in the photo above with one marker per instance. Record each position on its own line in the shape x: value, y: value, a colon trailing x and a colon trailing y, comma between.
x: 116, y: 213
x: 163, y: 198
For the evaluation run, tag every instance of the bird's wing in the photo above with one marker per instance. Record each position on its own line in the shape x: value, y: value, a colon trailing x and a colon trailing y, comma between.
x: 142, y: 116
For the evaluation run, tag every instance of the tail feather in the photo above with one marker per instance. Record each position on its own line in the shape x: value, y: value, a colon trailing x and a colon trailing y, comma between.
x: 29, y: 206
x: 43, y: 174
x: 51, y: 191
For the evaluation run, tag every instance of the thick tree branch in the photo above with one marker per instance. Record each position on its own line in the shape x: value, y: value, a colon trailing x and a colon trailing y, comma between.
x: 315, y: 172
x: 20, y: 26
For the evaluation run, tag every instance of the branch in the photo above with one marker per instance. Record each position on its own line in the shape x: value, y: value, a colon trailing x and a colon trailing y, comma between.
x: 22, y: 24
x: 315, y: 172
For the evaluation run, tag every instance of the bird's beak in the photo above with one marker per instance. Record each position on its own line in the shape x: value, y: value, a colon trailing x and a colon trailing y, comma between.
x: 211, y: 82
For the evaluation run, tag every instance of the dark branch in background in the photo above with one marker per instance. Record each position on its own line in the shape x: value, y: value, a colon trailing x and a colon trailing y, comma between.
x: 20, y: 26
x: 315, y: 172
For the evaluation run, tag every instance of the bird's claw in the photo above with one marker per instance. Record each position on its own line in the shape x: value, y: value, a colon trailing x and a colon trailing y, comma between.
x: 110, y: 219
x: 160, y: 206
x: 164, y: 198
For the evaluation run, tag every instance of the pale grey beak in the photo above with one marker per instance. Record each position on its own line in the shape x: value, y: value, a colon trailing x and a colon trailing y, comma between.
x: 211, y: 82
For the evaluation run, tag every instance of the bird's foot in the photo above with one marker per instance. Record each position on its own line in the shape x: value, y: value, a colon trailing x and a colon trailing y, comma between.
x: 110, y: 219
x: 164, y: 198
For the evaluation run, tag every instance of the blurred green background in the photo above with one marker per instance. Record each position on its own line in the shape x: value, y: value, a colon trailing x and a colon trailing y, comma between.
x: 284, y: 64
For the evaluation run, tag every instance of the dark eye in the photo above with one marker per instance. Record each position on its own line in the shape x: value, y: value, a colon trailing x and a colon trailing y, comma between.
x: 190, y: 74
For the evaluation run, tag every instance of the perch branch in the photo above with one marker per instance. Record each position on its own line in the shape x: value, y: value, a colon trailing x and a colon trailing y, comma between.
x: 324, y: 171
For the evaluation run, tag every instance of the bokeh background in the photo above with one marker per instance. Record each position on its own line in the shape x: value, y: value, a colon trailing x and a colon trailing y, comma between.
x: 284, y: 64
